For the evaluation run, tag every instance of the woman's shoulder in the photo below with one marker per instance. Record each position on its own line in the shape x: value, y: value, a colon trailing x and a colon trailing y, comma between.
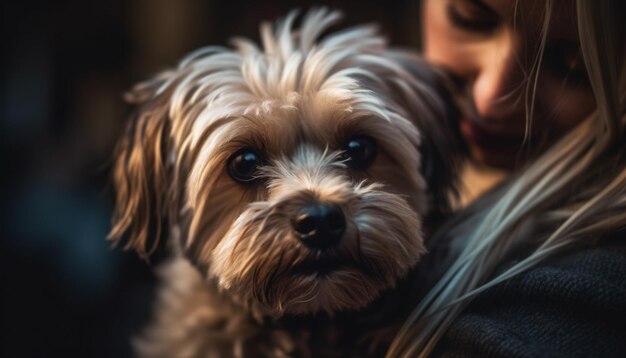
x: 575, y: 273
x: 572, y: 305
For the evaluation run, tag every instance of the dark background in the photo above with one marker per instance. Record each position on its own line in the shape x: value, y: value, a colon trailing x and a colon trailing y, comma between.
x: 65, y: 291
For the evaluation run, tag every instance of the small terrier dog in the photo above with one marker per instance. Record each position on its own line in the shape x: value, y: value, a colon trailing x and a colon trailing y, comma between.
x: 295, y: 181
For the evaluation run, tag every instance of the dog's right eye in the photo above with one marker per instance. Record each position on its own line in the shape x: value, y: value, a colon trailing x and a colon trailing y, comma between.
x: 242, y: 165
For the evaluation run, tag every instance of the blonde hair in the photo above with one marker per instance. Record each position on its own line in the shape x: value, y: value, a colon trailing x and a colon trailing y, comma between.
x: 574, y: 191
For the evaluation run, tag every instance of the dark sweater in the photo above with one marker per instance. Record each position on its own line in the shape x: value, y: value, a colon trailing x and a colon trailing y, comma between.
x: 571, y: 306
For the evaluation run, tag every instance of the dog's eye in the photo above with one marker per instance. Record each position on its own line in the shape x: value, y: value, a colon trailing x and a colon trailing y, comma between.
x: 243, y: 165
x: 360, y: 152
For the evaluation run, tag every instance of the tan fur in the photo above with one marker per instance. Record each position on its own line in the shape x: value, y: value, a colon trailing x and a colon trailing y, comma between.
x: 234, y: 274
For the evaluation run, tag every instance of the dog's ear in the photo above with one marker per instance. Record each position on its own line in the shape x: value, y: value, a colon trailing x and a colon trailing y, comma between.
x: 140, y: 172
x: 432, y: 108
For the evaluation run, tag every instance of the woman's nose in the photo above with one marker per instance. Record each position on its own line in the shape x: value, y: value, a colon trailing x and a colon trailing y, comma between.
x: 499, y: 86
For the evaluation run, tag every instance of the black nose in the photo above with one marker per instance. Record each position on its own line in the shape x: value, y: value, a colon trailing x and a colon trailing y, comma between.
x: 320, y: 225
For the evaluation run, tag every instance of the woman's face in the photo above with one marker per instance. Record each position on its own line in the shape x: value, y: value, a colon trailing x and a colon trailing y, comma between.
x: 489, y: 47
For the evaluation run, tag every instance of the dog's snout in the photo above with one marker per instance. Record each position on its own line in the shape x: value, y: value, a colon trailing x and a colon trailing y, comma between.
x: 320, y: 225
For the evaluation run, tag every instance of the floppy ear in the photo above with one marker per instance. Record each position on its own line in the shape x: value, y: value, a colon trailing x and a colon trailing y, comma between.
x: 433, y: 111
x: 140, y: 172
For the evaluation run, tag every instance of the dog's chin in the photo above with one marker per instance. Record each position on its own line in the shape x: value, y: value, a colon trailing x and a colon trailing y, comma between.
x: 325, y: 285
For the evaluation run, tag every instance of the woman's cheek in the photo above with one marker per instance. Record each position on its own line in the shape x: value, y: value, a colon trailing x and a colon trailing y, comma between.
x: 565, y: 105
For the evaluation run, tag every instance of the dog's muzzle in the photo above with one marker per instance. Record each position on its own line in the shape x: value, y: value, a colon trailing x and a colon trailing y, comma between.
x: 320, y: 225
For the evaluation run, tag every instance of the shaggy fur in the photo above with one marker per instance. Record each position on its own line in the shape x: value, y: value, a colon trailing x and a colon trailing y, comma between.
x: 236, y: 284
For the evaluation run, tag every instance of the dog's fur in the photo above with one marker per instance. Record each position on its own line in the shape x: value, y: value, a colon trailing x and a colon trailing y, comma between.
x: 234, y: 286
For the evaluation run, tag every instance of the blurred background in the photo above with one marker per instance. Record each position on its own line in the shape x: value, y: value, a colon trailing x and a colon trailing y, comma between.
x: 65, y: 291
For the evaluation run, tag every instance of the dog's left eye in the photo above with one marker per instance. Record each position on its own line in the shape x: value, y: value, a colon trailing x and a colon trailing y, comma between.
x: 360, y: 152
x: 242, y: 165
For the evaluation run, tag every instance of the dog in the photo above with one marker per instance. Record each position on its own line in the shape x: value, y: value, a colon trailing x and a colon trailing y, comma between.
x: 294, y: 181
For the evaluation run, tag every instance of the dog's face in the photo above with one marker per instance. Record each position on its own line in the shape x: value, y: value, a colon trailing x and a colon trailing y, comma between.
x: 290, y: 176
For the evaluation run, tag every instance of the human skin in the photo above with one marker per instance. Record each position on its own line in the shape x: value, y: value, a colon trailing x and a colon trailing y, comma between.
x: 488, y: 47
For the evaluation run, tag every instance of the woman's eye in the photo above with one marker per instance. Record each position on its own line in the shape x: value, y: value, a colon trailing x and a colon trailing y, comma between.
x: 243, y: 165
x: 472, y: 15
x: 359, y: 152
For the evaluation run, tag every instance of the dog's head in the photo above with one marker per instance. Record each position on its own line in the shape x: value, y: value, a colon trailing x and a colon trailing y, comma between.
x: 292, y: 175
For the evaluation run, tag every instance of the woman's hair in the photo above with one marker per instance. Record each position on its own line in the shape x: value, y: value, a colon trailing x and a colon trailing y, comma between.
x: 571, y: 196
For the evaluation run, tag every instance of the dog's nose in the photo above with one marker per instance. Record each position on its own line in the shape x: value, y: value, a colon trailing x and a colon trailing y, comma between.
x: 320, y: 225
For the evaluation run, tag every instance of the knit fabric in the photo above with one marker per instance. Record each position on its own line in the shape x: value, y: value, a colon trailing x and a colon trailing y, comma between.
x: 571, y: 306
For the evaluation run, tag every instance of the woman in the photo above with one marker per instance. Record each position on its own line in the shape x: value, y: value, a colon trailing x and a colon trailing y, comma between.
x: 541, y: 264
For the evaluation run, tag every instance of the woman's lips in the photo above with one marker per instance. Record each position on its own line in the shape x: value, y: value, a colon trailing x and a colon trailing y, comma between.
x: 488, y: 137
